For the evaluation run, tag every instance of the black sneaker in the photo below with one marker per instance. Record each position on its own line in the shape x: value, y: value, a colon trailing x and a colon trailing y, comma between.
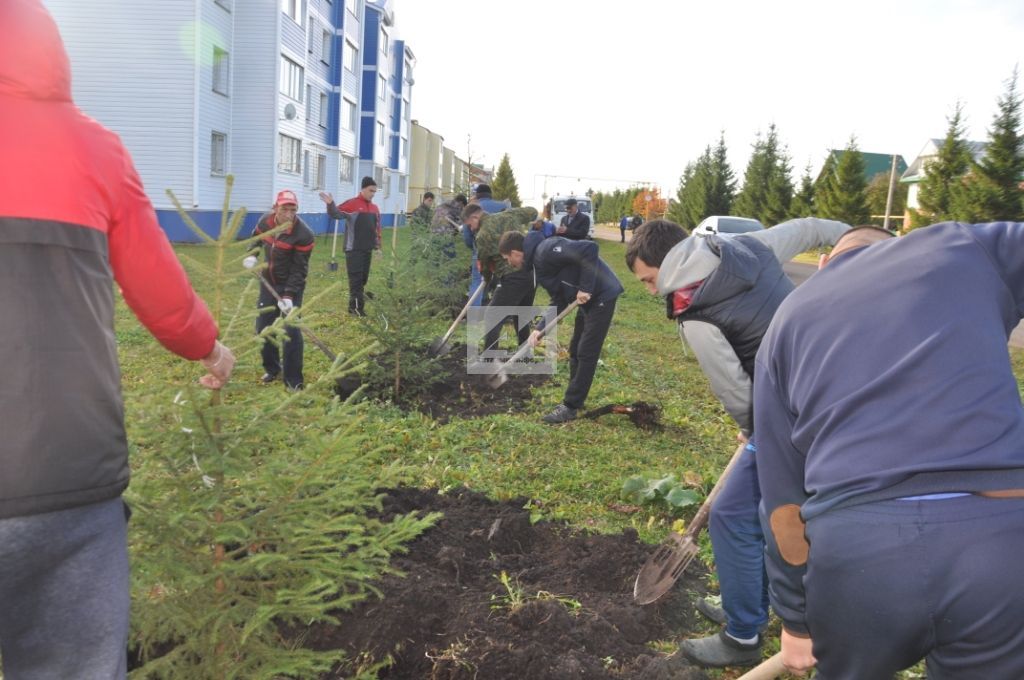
x: 719, y: 651
x: 268, y: 378
x: 561, y: 414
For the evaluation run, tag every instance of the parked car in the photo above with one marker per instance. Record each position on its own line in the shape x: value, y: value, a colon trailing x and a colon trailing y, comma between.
x: 725, y: 224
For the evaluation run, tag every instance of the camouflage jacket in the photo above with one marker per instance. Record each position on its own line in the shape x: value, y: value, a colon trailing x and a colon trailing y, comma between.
x: 420, y: 217
x: 449, y: 210
x: 491, y: 229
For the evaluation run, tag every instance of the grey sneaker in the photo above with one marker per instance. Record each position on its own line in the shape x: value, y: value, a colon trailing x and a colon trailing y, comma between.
x: 719, y: 651
x: 714, y: 612
x: 561, y: 414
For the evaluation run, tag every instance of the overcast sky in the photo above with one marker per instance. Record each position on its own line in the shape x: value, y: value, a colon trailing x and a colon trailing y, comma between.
x: 633, y: 91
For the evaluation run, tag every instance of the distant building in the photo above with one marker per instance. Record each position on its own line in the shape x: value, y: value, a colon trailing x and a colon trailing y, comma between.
x: 307, y: 95
x: 919, y: 168
x: 874, y: 163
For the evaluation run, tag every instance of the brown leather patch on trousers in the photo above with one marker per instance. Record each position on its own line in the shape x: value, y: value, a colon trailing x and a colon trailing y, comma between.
x: 1003, y: 493
x: 788, y: 530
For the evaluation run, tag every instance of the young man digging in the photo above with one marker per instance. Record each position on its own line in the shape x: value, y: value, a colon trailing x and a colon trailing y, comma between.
x: 723, y: 292
x: 569, y: 270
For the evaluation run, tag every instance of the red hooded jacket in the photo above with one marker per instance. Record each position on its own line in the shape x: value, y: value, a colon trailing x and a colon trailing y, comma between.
x: 73, y: 218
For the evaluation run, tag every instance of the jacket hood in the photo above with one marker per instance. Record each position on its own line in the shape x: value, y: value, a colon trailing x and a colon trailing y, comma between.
x: 533, y: 239
x: 696, y: 258
x: 33, y: 62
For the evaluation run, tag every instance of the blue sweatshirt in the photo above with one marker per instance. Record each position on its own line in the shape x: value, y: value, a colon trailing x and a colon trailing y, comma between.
x: 887, y: 375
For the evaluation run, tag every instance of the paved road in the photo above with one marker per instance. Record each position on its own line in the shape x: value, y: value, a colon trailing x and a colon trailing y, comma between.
x: 798, y: 272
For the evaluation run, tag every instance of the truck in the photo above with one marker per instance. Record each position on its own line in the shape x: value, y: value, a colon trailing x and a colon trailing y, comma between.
x: 555, y: 209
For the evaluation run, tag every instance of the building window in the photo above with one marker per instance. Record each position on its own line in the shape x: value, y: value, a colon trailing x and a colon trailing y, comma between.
x: 378, y: 177
x: 218, y: 153
x: 309, y: 102
x: 323, y: 109
x: 350, y: 5
x: 293, y: 8
x: 402, y: 184
x: 405, y: 109
x: 382, y: 84
x: 380, y: 133
x: 220, y: 70
x: 348, y: 57
x: 384, y: 42
x: 346, y: 168
x: 325, y: 47
x: 348, y: 114
x: 291, y: 79
x: 305, y: 168
x: 226, y: 4
x: 321, y: 172
x: 290, y: 154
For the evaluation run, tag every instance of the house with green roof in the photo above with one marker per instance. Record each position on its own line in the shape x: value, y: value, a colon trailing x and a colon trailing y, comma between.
x: 874, y: 163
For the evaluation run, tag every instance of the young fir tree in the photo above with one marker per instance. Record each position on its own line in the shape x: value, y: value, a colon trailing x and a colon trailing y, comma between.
x: 504, y: 185
x: 767, y: 187
x: 722, y: 190
x: 843, y: 195
x: 992, y: 191
x: 802, y: 204
x: 877, y: 196
x: 943, y: 175
x: 676, y: 211
x: 695, y: 193
x: 256, y: 513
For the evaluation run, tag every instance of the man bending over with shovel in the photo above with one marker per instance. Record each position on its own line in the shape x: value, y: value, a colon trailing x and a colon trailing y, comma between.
x: 570, y: 270
x: 723, y: 292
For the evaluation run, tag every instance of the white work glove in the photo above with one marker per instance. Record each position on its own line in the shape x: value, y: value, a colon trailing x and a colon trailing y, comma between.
x: 285, y: 305
x: 219, y: 362
x: 249, y: 262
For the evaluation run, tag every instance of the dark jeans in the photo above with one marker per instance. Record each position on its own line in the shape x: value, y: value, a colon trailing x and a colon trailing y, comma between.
x: 622, y: 235
x: 892, y: 582
x: 738, y: 543
x: 292, y: 347
x: 64, y: 593
x: 513, y: 290
x: 592, y: 323
x: 357, y: 264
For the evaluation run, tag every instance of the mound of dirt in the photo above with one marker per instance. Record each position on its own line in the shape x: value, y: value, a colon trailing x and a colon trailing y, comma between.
x: 454, y: 392
x: 488, y: 594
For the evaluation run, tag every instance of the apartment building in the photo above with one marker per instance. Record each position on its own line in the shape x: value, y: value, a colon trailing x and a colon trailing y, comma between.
x: 281, y: 94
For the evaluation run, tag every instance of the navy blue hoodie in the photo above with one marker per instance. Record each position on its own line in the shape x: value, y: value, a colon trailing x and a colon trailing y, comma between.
x: 565, y: 267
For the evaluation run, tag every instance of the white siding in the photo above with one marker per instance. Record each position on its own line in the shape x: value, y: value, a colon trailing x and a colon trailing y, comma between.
x: 214, y: 108
x: 255, y: 104
x: 132, y: 72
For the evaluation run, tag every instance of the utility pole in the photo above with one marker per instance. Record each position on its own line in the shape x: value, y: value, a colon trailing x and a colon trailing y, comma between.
x: 888, y: 199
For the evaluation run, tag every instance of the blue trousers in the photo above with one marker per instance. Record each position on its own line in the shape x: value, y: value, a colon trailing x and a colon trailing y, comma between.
x: 738, y: 543
x: 475, y: 277
x: 64, y: 594
x: 892, y: 582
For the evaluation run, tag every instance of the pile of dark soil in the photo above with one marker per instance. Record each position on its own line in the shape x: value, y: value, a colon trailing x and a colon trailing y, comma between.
x: 456, y: 393
x: 563, y: 609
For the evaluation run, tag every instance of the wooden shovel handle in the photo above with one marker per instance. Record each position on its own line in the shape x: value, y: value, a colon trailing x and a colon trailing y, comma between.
x: 462, y: 314
x: 700, y: 520
x: 766, y: 670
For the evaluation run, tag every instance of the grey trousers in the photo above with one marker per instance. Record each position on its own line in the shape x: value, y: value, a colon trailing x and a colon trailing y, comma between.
x: 64, y: 596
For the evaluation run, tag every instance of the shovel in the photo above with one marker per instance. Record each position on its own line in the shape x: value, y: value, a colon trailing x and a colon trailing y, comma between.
x: 501, y: 376
x: 440, y: 345
x: 769, y: 669
x: 308, y: 333
x: 674, y: 554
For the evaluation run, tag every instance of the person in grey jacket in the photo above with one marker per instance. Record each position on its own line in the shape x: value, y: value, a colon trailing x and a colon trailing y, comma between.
x: 723, y: 291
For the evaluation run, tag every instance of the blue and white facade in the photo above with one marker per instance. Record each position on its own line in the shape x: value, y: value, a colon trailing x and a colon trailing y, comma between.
x: 273, y: 92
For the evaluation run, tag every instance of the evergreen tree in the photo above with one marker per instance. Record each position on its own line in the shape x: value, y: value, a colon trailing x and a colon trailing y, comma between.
x: 843, y: 195
x: 943, y: 176
x: 676, y: 211
x: 722, y: 189
x: 695, y: 194
x: 877, y: 194
x: 767, y: 186
x: 802, y: 204
x: 504, y: 185
x: 992, y: 190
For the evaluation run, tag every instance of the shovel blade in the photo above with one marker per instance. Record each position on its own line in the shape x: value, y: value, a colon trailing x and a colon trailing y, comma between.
x: 496, y: 380
x: 663, y: 568
x: 439, y: 347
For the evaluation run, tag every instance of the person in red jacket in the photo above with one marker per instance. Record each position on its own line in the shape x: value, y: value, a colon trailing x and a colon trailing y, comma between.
x: 362, y: 237
x: 284, y: 280
x: 73, y: 220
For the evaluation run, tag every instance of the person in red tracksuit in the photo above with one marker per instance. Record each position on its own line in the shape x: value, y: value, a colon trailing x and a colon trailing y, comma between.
x: 362, y: 237
x: 74, y: 219
x: 287, y: 256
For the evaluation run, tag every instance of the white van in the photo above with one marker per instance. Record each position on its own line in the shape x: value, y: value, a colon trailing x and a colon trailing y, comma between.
x: 725, y: 224
x: 556, y: 209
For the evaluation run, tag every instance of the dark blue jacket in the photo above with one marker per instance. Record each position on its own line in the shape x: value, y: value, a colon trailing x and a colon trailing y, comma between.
x: 565, y: 267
